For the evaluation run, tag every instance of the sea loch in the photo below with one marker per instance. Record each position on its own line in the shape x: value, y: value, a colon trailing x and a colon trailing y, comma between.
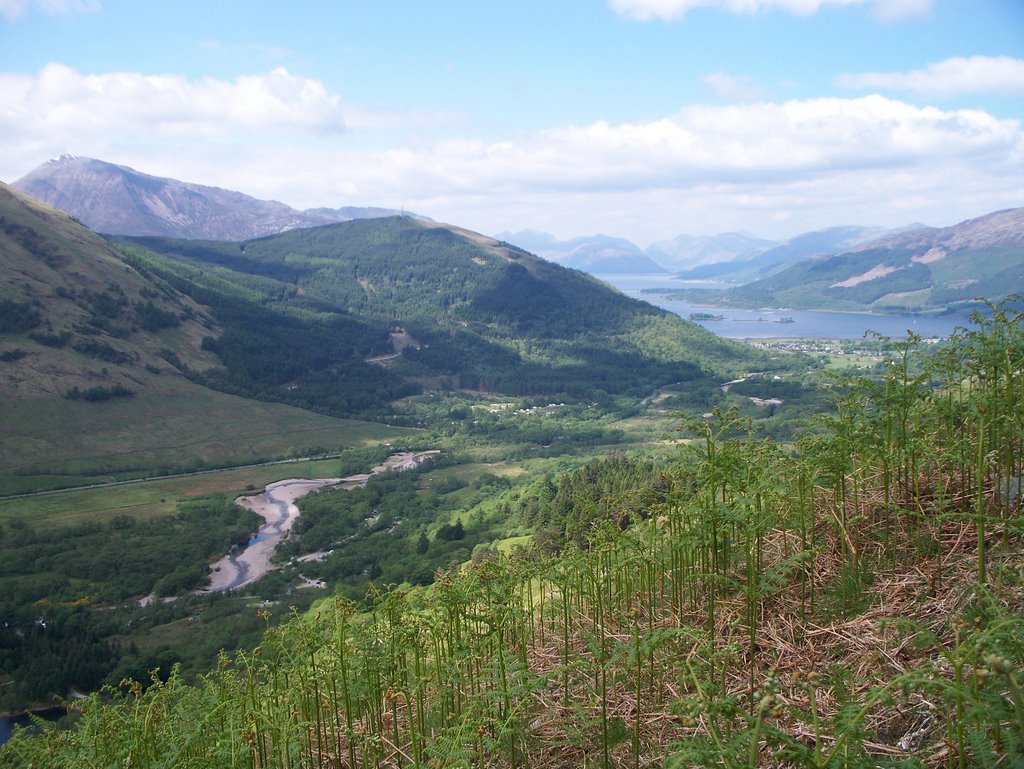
x: 737, y: 323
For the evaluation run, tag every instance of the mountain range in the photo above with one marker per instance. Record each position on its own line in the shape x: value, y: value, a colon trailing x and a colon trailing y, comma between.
x: 926, y: 269
x: 118, y: 200
x: 730, y: 258
x: 596, y: 254
x: 914, y: 268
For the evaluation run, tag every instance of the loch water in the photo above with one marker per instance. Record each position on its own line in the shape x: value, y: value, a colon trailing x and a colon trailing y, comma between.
x: 7, y: 723
x: 739, y: 323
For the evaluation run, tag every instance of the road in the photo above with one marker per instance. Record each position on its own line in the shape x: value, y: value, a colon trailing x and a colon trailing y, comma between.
x: 168, y: 477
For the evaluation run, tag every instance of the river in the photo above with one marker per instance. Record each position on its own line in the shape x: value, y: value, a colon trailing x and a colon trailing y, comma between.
x: 7, y: 723
x: 738, y: 323
x: 276, y: 504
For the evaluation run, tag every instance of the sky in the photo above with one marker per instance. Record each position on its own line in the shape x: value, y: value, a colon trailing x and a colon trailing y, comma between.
x: 640, y: 119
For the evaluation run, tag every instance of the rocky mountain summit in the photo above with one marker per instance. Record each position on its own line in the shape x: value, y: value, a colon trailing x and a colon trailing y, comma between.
x: 119, y: 200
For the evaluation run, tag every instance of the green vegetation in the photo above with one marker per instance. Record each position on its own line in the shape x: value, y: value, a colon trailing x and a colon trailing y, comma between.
x: 63, y: 442
x: 303, y: 310
x: 373, y: 534
x: 565, y: 586
x: 50, y: 577
x: 854, y: 603
x: 145, y: 500
x: 911, y: 278
x: 16, y: 317
x: 148, y: 363
x: 93, y: 394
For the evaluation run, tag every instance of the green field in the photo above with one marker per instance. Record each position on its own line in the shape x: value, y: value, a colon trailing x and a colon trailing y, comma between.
x: 53, y: 442
x: 146, y: 500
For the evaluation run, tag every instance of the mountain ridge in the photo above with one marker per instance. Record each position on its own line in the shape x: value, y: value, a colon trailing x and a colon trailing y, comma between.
x: 101, y: 365
x: 927, y: 269
x: 109, y: 334
x: 686, y: 252
x: 118, y: 200
x: 368, y: 273
x: 466, y: 296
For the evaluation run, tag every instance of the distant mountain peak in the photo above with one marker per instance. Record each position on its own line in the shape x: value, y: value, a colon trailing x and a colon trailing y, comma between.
x: 596, y: 254
x: 996, y: 229
x: 119, y: 200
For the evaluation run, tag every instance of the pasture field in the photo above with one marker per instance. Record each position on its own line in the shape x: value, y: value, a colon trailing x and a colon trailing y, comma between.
x: 147, y: 500
x: 52, y: 443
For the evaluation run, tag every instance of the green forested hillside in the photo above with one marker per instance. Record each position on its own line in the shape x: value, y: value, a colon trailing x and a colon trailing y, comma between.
x: 483, y: 315
x: 118, y: 363
x: 855, y: 603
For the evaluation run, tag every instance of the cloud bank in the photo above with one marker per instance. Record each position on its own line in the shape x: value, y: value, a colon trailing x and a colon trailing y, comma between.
x: 705, y: 168
x: 60, y: 100
x: 958, y: 75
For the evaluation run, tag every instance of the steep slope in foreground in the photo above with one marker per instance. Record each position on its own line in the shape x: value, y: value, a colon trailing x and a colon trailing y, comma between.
x: 91, y: 359
x: 483, y: 314
x: 119, y: 200
x: 923, y: 270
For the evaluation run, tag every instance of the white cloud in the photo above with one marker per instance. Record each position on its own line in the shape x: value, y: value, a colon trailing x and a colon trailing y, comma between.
x: 762, y: 143
x: 668, y: 10
x: 61, y: 100
x: 732, y: 87
x: 960, y: 75
x: 707, y: 168
x: 769, y: 168
x: 14, y: 9
x: 60, y: 106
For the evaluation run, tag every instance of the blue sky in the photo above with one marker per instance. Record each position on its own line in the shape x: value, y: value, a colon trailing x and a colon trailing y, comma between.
x: 642, y: 119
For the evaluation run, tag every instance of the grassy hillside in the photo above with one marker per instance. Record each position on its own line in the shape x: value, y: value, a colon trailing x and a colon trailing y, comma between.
x: 119, y: 360
x: 854, y: 605
x: 101, y: 367
x: 845, y: 281
x: 56, y: 442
